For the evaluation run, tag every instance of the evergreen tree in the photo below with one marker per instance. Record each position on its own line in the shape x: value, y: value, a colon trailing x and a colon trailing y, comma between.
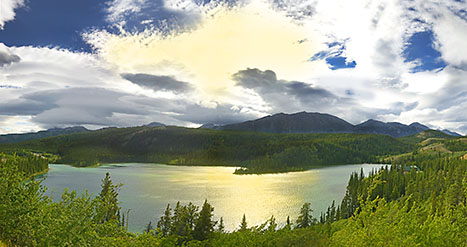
x: 165, y: 223
x: 179, y: 221
x: 243, y: 224
x: 221, y: 226
x: 108, y: 196
x: 148, y: 227
x: 204, y: 225
x: 288, y: 225
x: 272, y: 224
x: 305, y: 219
x: 191, y: 211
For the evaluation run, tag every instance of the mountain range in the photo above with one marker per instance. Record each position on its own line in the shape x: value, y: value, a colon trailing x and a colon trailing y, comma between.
x: 301, y: 122
x: 313, y: 122
x: 13, y: 138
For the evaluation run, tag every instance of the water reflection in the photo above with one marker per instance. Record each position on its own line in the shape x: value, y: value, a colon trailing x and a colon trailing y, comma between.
x: 149, y: 187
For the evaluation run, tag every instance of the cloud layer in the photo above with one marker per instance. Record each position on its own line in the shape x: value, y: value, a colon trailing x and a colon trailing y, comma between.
x: 198, y: 62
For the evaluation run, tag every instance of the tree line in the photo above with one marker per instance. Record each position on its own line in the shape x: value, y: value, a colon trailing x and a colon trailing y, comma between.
x: 255, y: 152
x: 419, y: 200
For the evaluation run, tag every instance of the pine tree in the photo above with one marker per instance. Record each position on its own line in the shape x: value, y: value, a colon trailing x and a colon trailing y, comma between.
x: 148, y: 227
x: 288, y: 225
x: 204, y: 225
x: 109, y: 199
x: 221, y: 226
x: 272, y: 224
x: 179, y: 221
x: 165, y: 223
x: 305, y: 219
x: 243, y: 224
x: 192, y: 215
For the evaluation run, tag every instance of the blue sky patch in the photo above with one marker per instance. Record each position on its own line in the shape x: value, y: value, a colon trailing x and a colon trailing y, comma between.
x: 54, y: 23
x: 333, y: 57
x: 421, y: 49
x: 62, y: 22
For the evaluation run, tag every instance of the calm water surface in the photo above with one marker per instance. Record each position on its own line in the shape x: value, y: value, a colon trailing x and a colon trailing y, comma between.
x: 149, y: 187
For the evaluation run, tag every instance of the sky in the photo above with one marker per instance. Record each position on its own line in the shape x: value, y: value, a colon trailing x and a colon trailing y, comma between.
x: 100, y: 63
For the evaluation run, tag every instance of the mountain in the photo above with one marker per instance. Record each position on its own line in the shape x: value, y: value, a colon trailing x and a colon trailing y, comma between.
x: 210, y: 126
x: 451, y: 133
x: 301, y: 122
x: 155, y: 124
x: 305, y: 122
x: 393, y: 129
x: 13, y: 138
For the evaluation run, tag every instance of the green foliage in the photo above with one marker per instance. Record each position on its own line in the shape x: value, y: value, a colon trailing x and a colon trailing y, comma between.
x: 28, y: 163
x: 305, y: 219
x: 31, y: 219
x: 419, y: 201
x: 243, y: 225
x: 108, y: 196
x: 256, y: 152
x: 204, y: 224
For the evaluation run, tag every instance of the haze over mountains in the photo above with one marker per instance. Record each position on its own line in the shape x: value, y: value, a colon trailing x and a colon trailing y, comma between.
x: 305, y: 122
x: 301, y: 122
x: 12, y: 138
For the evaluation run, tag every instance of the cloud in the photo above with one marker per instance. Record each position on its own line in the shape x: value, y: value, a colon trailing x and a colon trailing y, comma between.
x: 186, y: 62
x: 24, y: 107
x: 156, y: 82
x: 6, y: 57
x: 117, y: 10
x: 7, y: 10
x: 71, y: 106
x: 223, y: 41
x: 288, y: 96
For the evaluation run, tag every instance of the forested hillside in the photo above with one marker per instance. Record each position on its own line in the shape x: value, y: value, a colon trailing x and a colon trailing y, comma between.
x: 257, y: 152
x: 418, y: 201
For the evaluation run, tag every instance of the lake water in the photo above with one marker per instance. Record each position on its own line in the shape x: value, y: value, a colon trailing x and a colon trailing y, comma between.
x: 149, y: 187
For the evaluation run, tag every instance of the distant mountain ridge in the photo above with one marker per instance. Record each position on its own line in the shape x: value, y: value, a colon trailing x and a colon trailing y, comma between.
x: 13, y: 138
x: 393, y: 129
x: 301, y: 122
x: 451, y: 133
x: 313, y: 122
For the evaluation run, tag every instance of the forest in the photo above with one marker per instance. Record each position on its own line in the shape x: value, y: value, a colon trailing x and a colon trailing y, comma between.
x: 420, y: 200
x: 254, y: 152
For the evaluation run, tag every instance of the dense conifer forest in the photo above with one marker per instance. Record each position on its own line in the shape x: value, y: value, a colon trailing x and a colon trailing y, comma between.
x: 255, y: 152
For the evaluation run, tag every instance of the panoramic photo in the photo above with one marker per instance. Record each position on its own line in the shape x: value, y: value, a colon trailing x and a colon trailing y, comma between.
x: 233, y: 123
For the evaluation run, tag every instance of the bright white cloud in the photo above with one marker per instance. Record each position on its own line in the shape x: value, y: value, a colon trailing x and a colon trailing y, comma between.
x: 280, y: 36
x: 7, y: 10
x: 118, y: 9
x: 225, y: 41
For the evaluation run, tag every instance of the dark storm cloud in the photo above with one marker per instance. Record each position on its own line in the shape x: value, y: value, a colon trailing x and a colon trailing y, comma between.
x: 279, y: 92
x: 158, y: 83
x: 7, y: 58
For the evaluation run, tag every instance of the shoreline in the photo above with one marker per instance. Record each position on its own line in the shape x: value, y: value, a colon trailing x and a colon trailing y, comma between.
x: 238, y: 170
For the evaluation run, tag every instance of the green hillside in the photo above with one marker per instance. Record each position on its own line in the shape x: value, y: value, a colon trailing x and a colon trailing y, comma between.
x: 257, y: 152
x: 421, y: 206
x: 432, y: 143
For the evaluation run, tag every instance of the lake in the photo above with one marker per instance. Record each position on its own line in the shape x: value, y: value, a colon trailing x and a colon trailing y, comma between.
x: 149, y: 187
